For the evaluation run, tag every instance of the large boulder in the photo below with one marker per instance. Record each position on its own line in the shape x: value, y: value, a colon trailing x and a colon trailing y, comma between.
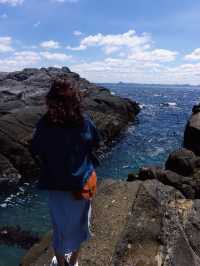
x: 183, y: 162
x: 189, y: 186
x: 182, y: 171
x: 22, y: 103
x: 192, y: 131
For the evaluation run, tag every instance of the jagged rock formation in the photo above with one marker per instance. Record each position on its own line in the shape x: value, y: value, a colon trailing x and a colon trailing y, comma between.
x: 161, y: 229
x: 13, y: 235
x: 22, y: 102
x: 182, y: 168
x: 192, y: 131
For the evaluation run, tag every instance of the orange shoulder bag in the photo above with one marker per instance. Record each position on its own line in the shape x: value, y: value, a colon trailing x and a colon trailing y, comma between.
x: 89, y: 188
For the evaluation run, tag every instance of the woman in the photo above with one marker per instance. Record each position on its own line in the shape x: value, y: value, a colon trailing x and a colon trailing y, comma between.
x: 63, y: 144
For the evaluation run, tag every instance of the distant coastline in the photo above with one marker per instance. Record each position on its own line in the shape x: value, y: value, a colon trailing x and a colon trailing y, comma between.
x: 146, y: 84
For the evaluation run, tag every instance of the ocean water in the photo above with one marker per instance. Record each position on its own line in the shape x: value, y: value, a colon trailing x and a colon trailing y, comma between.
x: 157, y: 131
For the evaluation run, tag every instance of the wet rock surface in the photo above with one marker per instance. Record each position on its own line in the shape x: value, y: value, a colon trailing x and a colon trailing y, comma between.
x: 22, y: 102
x: 192, y: 131
x: 11, y: 235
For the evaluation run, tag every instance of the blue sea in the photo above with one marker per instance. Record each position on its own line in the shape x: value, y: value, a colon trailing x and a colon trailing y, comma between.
x: 157, y: 131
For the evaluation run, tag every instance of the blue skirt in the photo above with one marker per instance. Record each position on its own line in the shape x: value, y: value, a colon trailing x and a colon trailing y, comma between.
x: 70, y: 220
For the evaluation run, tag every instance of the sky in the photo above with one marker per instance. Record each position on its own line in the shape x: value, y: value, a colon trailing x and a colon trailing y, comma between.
x: 142, y: 41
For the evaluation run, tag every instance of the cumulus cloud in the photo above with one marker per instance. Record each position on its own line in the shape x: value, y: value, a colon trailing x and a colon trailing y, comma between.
x: 77, y: 33
x: 19, y: 60
x: 114, y: 42
x: 5, y: 44
x: 129, y: 70
x: 56, y: 56
x: 36, y: 24
x: 195, y: 55
x: 27, y: 57
x: 127, y: 57
x: 160, y: 55
x: 50, y: 44
x: 12, y: 2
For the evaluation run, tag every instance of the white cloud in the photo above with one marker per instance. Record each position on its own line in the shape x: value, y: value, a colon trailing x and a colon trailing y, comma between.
x: 12, y: 2
x: 159, y: 55
x: 50, y: 44
x: 56, y: 56
x: 22, y: 59
x: 114, y: 42
x: 195, y: 55
x: 77, y: 33
x: 127, y: 57
x: 4, y: 16
x: 27, y: 57
x: 5, y: 44
x: 19, y: 60
x: 63, y: 1
x: 78, y: 48
x: 36, y: 24
x: 111, y: 49
x: 128, y: 70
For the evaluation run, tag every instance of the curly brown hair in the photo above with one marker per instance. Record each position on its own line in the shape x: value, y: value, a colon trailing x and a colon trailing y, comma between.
x: 64, y: 103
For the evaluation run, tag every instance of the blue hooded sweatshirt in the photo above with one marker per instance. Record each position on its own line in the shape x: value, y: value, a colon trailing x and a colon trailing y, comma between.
x: 64, y: 153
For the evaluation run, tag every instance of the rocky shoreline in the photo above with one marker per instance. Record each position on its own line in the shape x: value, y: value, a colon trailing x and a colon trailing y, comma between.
x: 151, y: 220
x: 22, y: 102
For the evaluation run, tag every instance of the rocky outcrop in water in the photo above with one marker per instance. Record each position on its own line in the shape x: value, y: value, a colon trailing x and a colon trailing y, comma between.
x: 22, y: 102
x: 192, y: 131
x: 182, y: 168
x: 10, y: 235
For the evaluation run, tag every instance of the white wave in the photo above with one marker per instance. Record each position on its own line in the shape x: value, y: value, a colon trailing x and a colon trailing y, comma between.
x: 3, y: 205
x: 142, y: 105
x: 172, y: 104
x: 157, y: 151
x: 125, y: 166
x: 169, y: 104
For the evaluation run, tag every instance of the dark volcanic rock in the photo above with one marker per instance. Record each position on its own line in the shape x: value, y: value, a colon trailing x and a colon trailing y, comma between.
x: 22, y: 103
x: 162, y: 230
x: 10, y: 235
x: 136, y: 223
x: 182, y: 168
x: 183, y: 162
x: 192, y: 131
x: 189, y: 185
x: 9, y: 176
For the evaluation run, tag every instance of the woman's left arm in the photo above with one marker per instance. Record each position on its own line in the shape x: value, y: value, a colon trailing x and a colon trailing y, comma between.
x: 35, y: 145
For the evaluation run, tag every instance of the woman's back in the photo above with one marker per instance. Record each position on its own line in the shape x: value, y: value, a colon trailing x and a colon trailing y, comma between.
x: 64, y: 139
x: 65, y: 153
